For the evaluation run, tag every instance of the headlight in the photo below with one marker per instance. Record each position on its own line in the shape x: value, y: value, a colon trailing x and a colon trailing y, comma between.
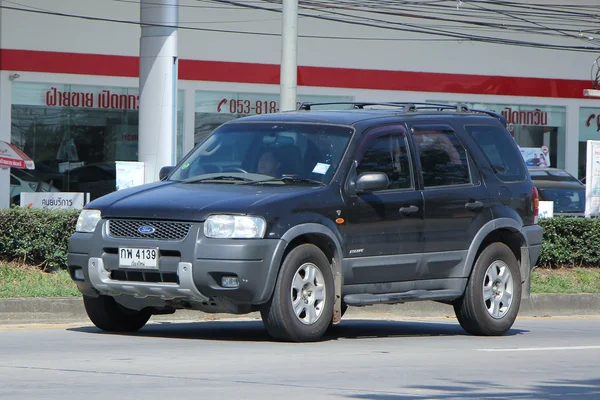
x: 87, y: 221
x: 234, y: 226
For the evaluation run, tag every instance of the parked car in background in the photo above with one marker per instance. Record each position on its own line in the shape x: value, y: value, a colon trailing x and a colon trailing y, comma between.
x: 23, y: 181
x: 96, y: 179
x: 563, y: 189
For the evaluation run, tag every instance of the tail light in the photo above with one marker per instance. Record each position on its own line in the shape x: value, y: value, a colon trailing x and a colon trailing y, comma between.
x: 536, y: 204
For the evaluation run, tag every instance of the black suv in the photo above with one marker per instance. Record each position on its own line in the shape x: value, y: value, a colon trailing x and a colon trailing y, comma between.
x: 301, y: 214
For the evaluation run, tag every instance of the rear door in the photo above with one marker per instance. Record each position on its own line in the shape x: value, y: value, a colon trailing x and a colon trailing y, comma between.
x: 456, y: 203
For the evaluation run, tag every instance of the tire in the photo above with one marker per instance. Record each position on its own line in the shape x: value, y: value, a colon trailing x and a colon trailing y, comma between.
x: 110, y: 316
x: 299, y: 310
x: 490, y: 311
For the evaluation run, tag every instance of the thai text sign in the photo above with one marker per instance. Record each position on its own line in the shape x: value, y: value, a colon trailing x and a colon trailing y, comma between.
x: 53, y: 200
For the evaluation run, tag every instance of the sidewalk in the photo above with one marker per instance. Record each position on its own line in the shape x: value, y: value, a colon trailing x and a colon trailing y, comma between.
x: 66, y: 310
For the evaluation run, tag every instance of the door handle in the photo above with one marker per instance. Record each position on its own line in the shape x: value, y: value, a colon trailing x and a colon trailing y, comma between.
x: 408, y: 210
x: 474, y: 205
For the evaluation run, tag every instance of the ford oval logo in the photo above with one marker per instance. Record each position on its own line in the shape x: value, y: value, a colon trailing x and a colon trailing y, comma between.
x: 146, y: 230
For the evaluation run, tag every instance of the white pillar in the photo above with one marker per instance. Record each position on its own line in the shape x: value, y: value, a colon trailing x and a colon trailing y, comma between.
x: 4, y: 129
x: 5, y: 133
x: 572, y: 140
x: 289, y: 55
x: 158, y: 85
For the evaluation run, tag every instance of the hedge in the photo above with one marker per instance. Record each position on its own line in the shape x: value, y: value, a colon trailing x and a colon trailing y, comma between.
x: 40, y: 237
x: 36, y: 236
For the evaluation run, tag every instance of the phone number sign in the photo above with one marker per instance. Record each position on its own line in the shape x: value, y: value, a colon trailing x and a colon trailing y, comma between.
x: 250, y: 103
x: 247, y: 106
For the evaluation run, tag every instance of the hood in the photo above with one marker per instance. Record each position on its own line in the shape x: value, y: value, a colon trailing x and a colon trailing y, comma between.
x: 193, y: 201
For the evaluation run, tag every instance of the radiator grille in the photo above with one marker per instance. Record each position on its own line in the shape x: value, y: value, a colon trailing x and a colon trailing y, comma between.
x: 130, y: 229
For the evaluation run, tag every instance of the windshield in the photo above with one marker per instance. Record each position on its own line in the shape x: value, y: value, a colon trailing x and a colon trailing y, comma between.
x: 263, y: 152
x: 565, y: 200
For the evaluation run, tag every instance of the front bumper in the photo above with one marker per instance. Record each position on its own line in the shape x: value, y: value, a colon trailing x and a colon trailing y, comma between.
x: 189, y: 272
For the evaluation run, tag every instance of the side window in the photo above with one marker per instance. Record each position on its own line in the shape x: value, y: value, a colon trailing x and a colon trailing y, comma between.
x: 500, y: 152
x: 443, y: 158
x: 388, y: 154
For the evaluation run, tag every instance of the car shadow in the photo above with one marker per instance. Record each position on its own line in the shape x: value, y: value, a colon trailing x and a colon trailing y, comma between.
x: 560, y: 389
x: 254, y: 331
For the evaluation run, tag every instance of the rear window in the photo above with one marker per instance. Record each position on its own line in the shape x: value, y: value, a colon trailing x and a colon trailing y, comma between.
x: 500, y: 150
x: 565, y: 200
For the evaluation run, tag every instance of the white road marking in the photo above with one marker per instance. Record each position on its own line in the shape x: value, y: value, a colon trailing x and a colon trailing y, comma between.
x: 543, y: 348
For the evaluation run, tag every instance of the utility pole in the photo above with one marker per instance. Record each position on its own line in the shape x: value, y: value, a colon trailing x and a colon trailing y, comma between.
x: 158, y: 85
x: 289, y: 55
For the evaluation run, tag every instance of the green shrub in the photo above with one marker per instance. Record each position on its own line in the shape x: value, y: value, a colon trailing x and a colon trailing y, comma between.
x: 570, y: 242
x: 35, y: 236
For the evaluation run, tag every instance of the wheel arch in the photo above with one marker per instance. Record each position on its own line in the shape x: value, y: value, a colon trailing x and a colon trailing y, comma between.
x: 507, y: 231
x: 325, y: 239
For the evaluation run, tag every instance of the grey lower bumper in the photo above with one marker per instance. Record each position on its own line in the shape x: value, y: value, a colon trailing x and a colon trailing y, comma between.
x: 100, y: 279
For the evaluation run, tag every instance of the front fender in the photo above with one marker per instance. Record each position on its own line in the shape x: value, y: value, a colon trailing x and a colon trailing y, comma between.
x: 335, y: 237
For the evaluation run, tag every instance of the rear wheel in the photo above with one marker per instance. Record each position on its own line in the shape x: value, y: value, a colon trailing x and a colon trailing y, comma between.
x: 301, y: 307
x: 492, y: 298
x: 110, y: 316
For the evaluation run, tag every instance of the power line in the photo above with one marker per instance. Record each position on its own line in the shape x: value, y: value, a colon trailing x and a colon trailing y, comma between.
x: 192, y: 28
x: 416, y: 29
x: 450, y: 36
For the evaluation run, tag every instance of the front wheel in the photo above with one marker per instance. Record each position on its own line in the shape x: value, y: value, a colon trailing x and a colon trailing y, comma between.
x: 110, y: 316
x: 301, y: 307
x: 492, y: 298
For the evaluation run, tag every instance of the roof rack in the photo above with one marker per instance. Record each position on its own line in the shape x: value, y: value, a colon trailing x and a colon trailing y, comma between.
x: 406, y: 107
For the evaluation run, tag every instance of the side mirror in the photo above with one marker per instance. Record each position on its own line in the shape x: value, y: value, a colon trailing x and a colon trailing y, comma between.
x: 371, y: 182
x: 164, y: 171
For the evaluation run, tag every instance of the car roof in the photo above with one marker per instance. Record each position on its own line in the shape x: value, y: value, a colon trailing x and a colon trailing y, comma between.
x: 551, y: 174
x: 353, y: 116
x: 568, y: 185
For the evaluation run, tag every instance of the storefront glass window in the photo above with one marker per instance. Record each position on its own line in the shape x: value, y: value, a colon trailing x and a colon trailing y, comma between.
x: 534, y: 127
x: 589, y: 129
x: 215, y: 108
x: 75, y: 133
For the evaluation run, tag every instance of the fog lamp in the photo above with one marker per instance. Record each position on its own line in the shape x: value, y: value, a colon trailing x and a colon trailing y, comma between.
x: 78, y: 274
x: 230, y: 281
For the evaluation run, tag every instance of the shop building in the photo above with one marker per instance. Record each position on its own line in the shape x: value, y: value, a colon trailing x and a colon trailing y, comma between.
x: 69, y: 86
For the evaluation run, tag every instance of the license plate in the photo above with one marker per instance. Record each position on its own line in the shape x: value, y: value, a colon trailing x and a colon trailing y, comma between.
x: 141, y: 258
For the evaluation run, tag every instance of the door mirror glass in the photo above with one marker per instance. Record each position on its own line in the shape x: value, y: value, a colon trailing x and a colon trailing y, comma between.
x: 372, y: 182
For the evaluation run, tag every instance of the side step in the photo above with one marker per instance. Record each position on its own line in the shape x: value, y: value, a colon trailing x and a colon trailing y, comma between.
x: 365, y: 299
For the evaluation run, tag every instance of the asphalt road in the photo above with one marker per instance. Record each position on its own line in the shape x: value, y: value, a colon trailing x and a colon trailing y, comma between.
x: 540, y: 358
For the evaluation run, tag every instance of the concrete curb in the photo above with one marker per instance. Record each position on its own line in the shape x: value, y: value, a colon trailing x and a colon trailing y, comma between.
x: 61, y: 310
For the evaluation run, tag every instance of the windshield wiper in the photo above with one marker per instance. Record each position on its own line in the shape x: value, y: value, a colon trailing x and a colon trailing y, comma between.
x: 220, y: 178
x: 292, y: 179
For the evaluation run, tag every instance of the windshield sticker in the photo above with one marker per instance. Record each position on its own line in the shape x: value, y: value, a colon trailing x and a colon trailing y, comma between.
x: 321, y: 168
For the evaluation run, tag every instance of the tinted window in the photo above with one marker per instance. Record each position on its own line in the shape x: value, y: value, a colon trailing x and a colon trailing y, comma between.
x: 388, y: 154
x: 443, y: 158
x: 500, y: 150
x: 565, y: 200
